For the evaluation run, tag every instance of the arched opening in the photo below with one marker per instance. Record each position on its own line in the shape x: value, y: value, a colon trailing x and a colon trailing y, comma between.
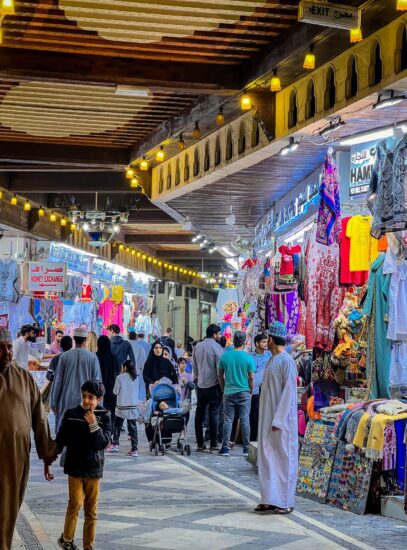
x: 400, y: 60
x: 196, y: 162
x: 330, y: 89
x: 255, y: 133
x: 161, y: 181
x: 351, y: 78
x: 311, y: 105
x: 229, y: 144
x: 217, y: 151
x: 293, y: 110
x: 207, y: 158
x: 242, y: 138
x: 169, y: 177
x: 186, y: 168
x: 376, y: 65
x: 177, y: 173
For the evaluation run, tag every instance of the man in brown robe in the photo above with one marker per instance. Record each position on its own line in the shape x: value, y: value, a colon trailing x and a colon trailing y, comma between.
x: 21, y: 410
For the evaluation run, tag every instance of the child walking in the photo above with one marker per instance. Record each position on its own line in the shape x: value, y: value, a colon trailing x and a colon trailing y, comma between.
x: 127, y: 390
x: 85, y: 431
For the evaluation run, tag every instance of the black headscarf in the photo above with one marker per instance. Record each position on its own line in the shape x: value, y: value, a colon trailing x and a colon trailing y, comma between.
x: 157, y: 367
x: 110, y: 369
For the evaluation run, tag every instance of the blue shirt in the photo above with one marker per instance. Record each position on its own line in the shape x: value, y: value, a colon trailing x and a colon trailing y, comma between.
x: 261, y: 362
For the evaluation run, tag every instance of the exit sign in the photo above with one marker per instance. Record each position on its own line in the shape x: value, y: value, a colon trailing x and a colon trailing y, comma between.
x: 329, y: 15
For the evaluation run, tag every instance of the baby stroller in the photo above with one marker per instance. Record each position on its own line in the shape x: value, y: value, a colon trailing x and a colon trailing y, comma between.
x: 166, y: 423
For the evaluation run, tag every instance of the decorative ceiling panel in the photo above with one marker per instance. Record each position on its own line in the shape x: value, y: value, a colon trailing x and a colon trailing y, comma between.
x: 183, y: 30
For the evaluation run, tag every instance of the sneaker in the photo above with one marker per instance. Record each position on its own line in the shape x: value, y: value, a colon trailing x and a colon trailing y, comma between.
x: 201, y: 449
x: 65, y: 545
x: 214, y: 449
x: 133, y: 453
x: 113, y: 449
x: 245, y: 452
x: 224, y: 452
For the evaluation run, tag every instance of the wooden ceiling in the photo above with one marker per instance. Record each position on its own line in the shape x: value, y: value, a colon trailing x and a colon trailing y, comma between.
x: 81, y: 114
x: 207, y: 31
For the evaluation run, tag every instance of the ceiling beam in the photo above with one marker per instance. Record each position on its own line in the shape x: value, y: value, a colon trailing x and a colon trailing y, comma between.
x: 108, y: 158
x: 158, y: 238
x: 188, y: 255
x: 195, y: 78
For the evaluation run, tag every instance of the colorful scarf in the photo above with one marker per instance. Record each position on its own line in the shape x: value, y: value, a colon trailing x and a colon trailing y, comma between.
x: 329, y: 215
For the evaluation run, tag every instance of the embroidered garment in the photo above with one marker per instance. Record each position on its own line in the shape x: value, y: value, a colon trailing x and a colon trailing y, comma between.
x: 390, y: 447
x: 397, y: 296
x: 329, y: 223
x: 111, y: 313
x: 19, y: 314
x: 388, y: 189
x: 285, y: 308
x: 363, y: 248
x: 323, y: 295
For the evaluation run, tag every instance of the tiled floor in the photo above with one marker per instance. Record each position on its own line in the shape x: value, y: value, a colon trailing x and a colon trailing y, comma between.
x: 201, y: 502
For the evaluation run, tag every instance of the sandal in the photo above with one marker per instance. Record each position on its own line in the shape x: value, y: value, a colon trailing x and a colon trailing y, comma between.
x: 265, y: 509
x: 282, y: 511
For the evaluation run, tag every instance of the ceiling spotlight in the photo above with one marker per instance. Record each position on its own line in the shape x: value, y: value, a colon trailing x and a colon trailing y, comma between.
x: 197, y: 238
x: 85, y: 226
x: 290, y: 148
x: 116, y: 228
x: 212, y: 249
x: 230, y: 218
x: 187, y: 225
x: 333, y: 125
x: 389, y: 101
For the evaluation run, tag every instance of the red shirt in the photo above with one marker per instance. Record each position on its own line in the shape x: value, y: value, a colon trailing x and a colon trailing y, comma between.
x: 348, y: 277
x: 287, y: 264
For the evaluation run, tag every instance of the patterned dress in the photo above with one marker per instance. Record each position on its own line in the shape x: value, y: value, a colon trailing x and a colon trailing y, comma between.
x: 323, y: 295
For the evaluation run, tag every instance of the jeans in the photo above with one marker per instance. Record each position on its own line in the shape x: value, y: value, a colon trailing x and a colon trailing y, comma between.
x: 131, y: 426
x: 82, y: 492
x: 236, y: 403
x: 254, y: 417
x: 211, y: 398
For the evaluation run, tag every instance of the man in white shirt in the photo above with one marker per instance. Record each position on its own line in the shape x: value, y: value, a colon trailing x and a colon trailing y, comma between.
x: 179, y: 350
x: 22, y: 347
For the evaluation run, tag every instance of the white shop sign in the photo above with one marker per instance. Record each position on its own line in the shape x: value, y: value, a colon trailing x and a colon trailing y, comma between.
x: 47, y: 277
x: 329, y: 15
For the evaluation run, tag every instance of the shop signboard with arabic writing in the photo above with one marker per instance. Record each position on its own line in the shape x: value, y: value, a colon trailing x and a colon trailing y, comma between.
x: 362, y: 160
x: 47, y: 277
x: 329, y: 15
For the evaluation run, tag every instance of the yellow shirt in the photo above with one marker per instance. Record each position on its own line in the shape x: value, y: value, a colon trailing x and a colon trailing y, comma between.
x: 363, y: 248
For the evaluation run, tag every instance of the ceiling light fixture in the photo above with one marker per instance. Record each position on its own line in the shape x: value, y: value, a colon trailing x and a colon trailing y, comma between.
x: 63, y: 222
x: 245, y: 103
x: 356, y: 35
x: 309, y: 61
x: 131, y: 91
x: 160, y: 155
x: 230, y: 218
x: 197, y: 238
x: 401, y: 5
x: 220, y: 117
x: 27, y: 206
x: 212, y: 248
x: 187, y: 225
x: 372, y: 135
x: 181, y: 143
x: 14, y: 200
x: 196, y: 132
x: 52, y: 217
x: 333, y: 125
x: 129, y: 173
x: 290, y: 148
x: 275, y: 84
x: 383, y: 102
x: 7, y: 7
x: 85, y: 226
x: 73, y: 226
x: 144, y: 165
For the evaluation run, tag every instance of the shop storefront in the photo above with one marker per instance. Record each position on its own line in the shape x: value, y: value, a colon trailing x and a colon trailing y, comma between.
x: 331, y: 263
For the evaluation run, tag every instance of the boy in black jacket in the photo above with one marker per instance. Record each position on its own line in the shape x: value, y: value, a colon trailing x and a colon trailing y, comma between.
x: 85, y: 432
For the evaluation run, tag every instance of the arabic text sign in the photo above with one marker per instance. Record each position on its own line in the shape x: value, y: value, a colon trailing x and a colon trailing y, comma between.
x: 47, y: 276
x: 362, y: 160
x: 329, y: 15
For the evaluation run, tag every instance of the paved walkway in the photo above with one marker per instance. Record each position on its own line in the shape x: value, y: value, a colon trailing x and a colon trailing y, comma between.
x: 198, y: 502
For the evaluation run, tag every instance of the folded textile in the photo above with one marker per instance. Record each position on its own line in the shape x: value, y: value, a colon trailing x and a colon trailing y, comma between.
x: 392, y: 407
x: 353, y: 424
x: 334, y: 409
x: 375, y: 442
x: 360, y: 435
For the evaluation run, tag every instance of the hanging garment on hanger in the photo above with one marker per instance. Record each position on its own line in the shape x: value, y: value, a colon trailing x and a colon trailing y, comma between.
x: 397, y: 329
x: 348, y: 277
x: 329, y: 214
x: 8, y: 280
x: 363, y: 248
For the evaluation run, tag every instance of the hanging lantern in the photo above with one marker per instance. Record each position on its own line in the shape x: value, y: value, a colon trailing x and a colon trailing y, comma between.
x: 138, y: 254
x: 121, y: 246
x: 133, y: 252
x: 309, y: 61
x: 41, y: 212
x: 73, y: 226
x: 52, y: 217
x: 144, y: 165
x: 13, y: 200
x: 129, y: 173
x: 275, y: 85
x: 245, y: 103
x: 160, y: 264
x: 7, y: 7
x: 1, y: 195
x: 220, y: 117
x: 155, y: 261
x: 160, y: 155
x: 63, y: 222
x: 134, y: 183
x: 144, y: 257
x: 27, y: 206
x: 356, y: 35
x: 170, y: 267
x: 401, y: 5
x: 165, y: 265
x: 196, y: 132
